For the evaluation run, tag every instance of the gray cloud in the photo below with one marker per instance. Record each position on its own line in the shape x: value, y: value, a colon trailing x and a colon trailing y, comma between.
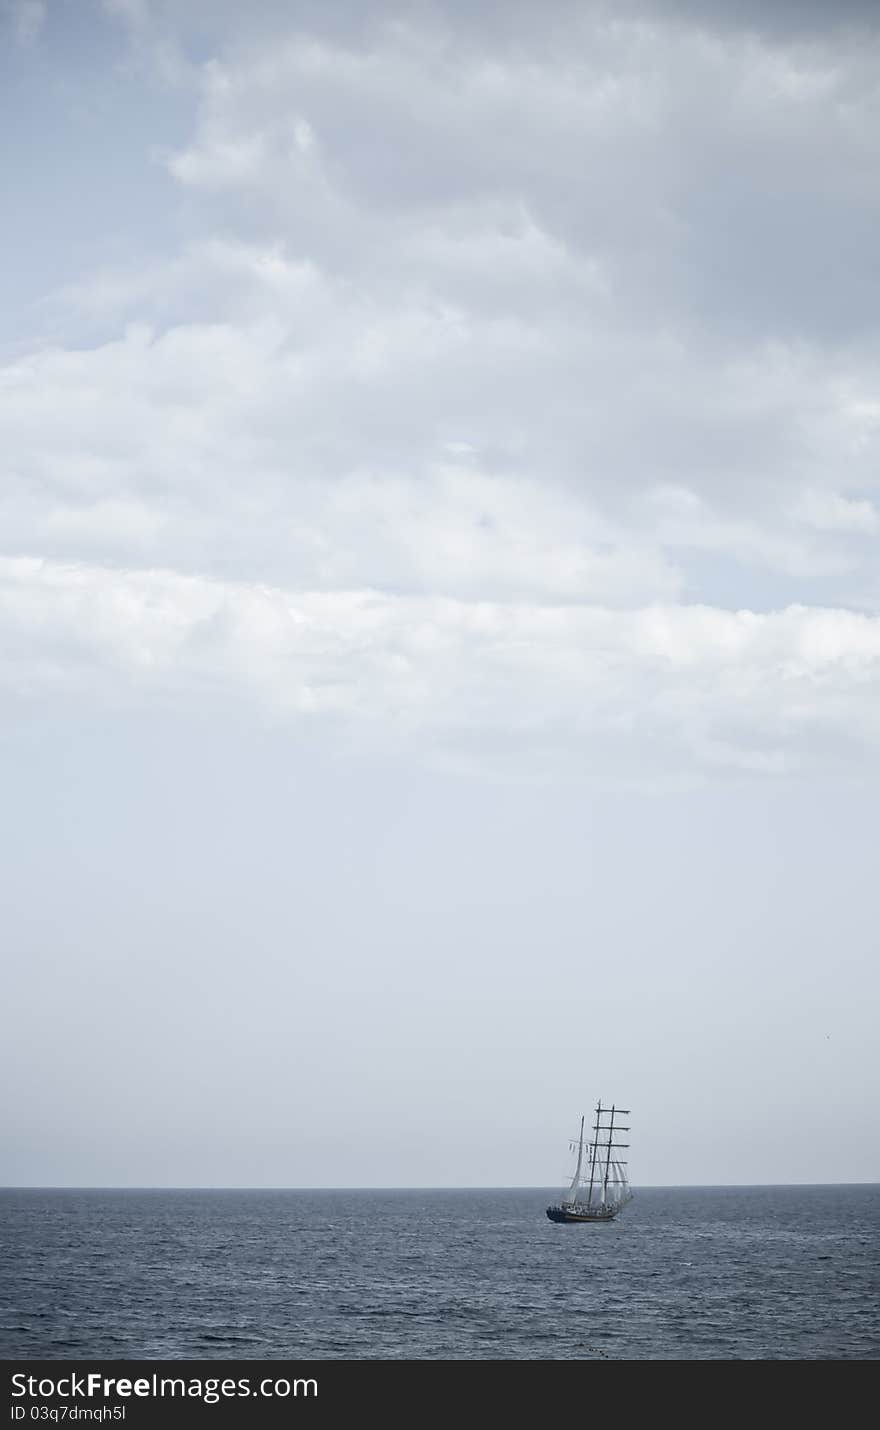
x: 469, y: 320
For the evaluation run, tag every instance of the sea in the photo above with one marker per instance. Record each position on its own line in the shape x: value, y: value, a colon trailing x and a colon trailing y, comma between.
x: 687, y: 1273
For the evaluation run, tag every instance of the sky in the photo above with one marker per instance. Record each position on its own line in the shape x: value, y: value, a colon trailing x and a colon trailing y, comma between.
x: 439, y: 590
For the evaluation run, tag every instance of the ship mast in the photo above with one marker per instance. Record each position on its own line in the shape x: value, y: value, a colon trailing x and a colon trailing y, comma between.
x: 593, y: 1152
x: 608, y: 1157
x: 606, y: 1147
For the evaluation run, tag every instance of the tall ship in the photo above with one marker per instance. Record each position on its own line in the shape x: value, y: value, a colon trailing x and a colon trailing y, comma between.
x: 599, y: 1188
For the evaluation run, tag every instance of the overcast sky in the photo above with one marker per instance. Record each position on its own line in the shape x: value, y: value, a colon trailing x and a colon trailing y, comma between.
x: 439, y: 589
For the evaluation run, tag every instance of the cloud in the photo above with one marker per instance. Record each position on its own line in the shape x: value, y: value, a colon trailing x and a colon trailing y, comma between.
x: 506, y: 375
x: 690, y: 688
x: 593, y: 132
x: 27, y: 19
x: 828, y: 511
x: 266, y: 418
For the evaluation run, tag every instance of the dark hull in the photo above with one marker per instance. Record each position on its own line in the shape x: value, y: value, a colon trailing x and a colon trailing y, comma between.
x: 568, y: 1214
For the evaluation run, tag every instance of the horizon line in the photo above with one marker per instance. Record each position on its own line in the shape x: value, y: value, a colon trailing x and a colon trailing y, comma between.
x: 400, y: 1187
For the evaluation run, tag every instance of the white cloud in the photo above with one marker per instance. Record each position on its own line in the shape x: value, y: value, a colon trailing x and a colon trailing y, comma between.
x: 483, y: 330
x: 694, y: 687
x: 276, y: 420
x: 829, y: 511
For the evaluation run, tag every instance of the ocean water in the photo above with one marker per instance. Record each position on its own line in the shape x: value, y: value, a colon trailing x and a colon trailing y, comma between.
x: 691, y: 1273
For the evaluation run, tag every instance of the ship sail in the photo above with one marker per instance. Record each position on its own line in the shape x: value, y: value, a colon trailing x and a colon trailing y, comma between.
x: 573, y: 1190
x: 618, y: 1188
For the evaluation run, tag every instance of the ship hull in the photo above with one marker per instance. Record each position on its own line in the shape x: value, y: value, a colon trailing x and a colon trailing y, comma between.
x: 568, y: 1214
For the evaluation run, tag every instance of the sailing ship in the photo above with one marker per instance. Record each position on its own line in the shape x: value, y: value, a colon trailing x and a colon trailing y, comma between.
x: 599, y: 1188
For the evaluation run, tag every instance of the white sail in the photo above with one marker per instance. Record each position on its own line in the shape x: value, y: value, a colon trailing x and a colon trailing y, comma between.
x: 576, y: 1180
x: 615, y: 1184
x: 618, y: 1190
